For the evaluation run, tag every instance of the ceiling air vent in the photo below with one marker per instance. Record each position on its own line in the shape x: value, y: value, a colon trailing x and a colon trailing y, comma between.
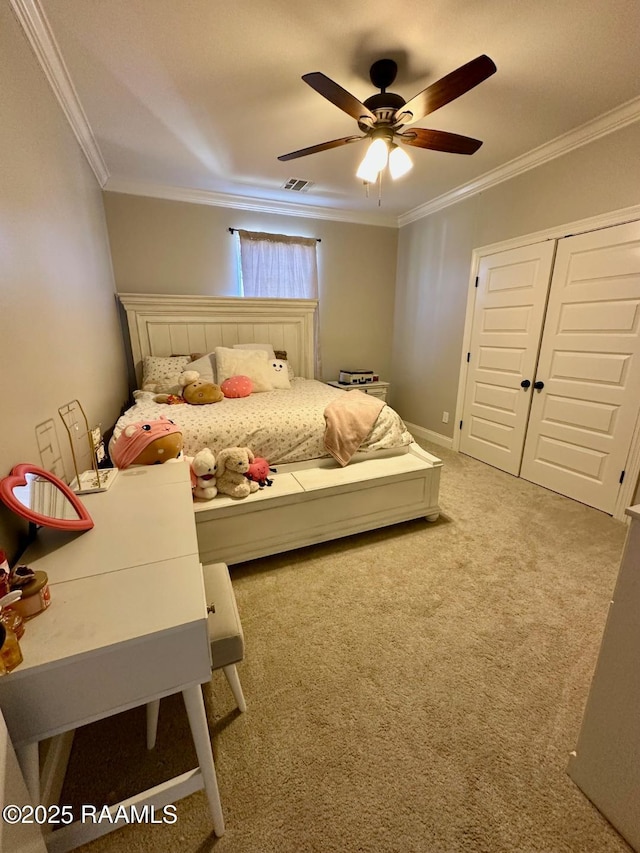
x: 297, y: 185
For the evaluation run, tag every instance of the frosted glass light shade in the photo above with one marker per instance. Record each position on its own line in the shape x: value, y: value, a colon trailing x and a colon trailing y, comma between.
x: 366, y: 172
x: 399, y: 163
x: 374, y: 161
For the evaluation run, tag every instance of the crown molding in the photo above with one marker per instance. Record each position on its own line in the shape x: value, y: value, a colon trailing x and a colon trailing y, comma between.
x: 568, y: 229
x: 609, y: 122
x: 258, y: 205
x: 33, y: 21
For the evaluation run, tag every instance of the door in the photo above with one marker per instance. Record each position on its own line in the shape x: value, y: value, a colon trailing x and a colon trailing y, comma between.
x: 507, y: 322
x: 582, y: 419
x: 606, y: 761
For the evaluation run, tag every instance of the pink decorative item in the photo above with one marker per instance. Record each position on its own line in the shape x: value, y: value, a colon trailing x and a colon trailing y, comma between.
x: 43, y: 498
x: 259, y: 471
x: 147, y: 443
x: 237, y: 386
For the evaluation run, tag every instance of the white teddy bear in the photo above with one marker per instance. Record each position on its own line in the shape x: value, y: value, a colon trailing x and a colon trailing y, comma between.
x: 203, y: 474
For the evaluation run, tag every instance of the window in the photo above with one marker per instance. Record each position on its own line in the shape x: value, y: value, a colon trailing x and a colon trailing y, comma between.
x: 277, y: 266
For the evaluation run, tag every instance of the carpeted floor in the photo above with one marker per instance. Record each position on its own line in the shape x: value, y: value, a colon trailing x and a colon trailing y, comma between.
x: 414, y: 689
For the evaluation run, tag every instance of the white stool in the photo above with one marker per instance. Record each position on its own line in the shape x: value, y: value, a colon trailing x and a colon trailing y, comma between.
x: 225, y: 638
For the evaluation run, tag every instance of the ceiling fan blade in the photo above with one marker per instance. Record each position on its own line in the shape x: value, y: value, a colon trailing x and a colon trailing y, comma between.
x: 439, y: 140
x: 323, y: 146
x: 330, y: 90
x: 446, y: 89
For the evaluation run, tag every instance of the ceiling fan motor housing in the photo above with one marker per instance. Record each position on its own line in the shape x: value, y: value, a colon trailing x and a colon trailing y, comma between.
x: 384, y: 106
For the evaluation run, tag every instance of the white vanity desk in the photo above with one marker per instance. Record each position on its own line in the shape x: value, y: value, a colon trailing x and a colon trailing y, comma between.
x: 127, y: 624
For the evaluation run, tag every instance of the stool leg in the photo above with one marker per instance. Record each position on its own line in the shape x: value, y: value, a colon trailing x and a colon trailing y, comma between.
x: 153, y: 709
x: 234, y: 683
x: 200, y: 732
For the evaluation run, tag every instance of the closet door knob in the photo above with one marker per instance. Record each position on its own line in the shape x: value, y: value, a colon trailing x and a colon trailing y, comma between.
x: 538, y: 385
x: 525, y: 383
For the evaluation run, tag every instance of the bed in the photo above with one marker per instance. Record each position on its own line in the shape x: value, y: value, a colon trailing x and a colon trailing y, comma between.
x: 281, y: 425
x: 312, y: 498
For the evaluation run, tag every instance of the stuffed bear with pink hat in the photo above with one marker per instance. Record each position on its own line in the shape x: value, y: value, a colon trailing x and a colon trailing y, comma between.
x: 146, y: 443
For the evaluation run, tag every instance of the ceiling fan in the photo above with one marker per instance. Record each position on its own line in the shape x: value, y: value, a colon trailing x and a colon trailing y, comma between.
x: 382, y: 118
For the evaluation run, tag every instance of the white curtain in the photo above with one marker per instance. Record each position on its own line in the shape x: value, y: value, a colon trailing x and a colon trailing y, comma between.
x: 278, y: 266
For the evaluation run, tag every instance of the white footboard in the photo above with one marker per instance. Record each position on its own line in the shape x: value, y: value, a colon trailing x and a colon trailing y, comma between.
x: 308, y: 504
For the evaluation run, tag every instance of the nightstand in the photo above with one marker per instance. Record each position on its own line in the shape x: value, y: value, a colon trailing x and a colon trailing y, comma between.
x: 376, y: 389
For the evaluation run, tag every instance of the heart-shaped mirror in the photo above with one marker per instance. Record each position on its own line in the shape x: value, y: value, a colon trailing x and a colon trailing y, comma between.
x: 43, y: 498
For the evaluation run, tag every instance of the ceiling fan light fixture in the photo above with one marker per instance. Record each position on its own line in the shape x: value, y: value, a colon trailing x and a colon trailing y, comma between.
x: 383, y: 116
x: 367, y: 173
x: 399, y: 162
x: 374, y: 161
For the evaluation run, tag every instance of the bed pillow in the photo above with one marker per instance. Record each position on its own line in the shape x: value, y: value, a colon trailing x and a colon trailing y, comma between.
x: 266, y: 347
x: 242, y: 362
x: 237, y: 386
x: 160, y: 374
x: 280, y: 374
x: 206, y: 366
x: 282, y: 355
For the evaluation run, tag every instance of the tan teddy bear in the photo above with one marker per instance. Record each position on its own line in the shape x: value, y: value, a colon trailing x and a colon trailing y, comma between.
x: 233, y: 464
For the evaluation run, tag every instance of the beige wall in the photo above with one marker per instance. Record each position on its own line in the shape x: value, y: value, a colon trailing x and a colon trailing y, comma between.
x: 60, y: 335
x: 434, y: 261
x: 161, y: 246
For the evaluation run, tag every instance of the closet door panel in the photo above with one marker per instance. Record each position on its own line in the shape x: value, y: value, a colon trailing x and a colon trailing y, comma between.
x: 507, y: 322
x: 582, y: 420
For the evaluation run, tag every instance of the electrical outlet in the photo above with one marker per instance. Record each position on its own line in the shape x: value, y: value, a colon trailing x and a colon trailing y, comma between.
x: 445, y: 417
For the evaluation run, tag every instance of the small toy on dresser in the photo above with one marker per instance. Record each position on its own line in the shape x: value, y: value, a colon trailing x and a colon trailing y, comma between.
x: 233, y: 465
x: 203, y: 474
x: 146, y: 443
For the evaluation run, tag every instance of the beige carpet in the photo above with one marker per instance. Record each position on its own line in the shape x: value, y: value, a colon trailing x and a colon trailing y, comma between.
x: 418, y: 688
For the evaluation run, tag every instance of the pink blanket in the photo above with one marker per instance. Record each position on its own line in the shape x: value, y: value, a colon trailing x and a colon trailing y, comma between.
x: 348, y: 421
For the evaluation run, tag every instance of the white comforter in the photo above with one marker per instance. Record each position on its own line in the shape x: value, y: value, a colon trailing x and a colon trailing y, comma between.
x: 283, y: 426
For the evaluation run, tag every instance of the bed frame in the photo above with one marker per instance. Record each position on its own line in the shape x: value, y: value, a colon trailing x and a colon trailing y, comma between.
x: 308, y: 502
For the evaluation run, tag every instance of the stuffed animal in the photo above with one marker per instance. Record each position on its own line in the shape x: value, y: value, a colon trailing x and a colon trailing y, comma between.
x: 195, y: 391
x: 203, y: 474
x: 237, y: 386
x: 233, y: 464
x: 146, y: 443
x: 259, y: 472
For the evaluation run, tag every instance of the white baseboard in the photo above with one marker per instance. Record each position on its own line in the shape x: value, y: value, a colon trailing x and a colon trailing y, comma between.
x: 430, y: 435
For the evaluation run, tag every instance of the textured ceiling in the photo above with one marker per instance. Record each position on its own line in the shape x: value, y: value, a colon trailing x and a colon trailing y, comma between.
x: 203, y: 96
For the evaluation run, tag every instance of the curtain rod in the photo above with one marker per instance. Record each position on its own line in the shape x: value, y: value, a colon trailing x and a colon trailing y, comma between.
x: 231, y: 230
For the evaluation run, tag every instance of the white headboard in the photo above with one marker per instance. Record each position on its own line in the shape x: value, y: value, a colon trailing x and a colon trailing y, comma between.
x: 176, y: 325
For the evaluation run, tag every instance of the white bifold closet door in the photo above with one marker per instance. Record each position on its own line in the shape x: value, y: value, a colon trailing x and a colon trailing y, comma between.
x: 511, y: 296
x: 570, y: 429
x: 585, y: 410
